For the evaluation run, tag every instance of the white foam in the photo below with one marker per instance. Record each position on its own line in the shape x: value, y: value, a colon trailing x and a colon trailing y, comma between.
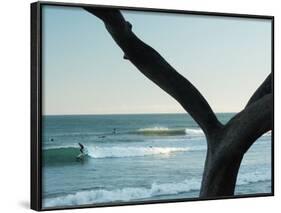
x: 156, y: 129
x: 156, y: 189
x: 125, y: 194
x: 194, y: 132
x: 118, y: 151
x: 165, y: 130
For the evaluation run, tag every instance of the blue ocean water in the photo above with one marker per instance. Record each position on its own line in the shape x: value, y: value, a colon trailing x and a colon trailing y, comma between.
x: 135, y: 158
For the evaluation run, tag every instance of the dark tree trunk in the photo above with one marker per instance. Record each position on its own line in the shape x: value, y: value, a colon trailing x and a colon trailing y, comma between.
x: 227, y: 143
x: 220, y: 175
x: 227, y: 146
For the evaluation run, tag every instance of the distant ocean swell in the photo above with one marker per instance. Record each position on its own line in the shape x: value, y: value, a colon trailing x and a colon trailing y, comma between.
x: 61, y: 155
x: 130, y: 193
x: 150, y: 131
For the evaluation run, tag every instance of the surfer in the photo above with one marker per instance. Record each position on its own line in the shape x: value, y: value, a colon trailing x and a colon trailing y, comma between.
x: 81, y: 148
x: 83, y: 153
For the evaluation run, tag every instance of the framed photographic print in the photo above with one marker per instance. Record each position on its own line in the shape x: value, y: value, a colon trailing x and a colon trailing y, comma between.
x: 141, y: 105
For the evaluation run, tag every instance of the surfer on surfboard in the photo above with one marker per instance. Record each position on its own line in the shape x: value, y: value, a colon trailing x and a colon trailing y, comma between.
x: 82, y: 152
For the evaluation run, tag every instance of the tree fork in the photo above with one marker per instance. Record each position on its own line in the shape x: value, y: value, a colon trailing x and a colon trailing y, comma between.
x: 227, y: 143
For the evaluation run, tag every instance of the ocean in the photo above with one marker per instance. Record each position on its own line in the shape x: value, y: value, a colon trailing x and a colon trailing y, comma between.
x: 135, y: 158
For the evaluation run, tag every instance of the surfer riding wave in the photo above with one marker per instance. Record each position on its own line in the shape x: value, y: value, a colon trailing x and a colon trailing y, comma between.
x: 83, y: 152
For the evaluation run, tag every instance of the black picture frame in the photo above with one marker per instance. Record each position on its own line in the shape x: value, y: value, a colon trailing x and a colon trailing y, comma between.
x: 36, y: 102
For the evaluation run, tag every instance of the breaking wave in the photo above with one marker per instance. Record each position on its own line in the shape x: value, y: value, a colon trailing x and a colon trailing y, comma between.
x: 125, y: 194
x: 137, y: 193
x: 164, y: 131
x: 68, y: 154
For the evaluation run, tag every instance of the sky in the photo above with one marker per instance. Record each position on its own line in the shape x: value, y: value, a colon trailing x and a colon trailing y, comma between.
x: 84, y: 72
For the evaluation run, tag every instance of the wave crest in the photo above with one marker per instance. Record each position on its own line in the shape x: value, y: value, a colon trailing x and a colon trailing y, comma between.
x: 164, y: 131
x: 62, y: 155
x: 125, y: 194
x: 117, y: 152
x: 137, y: 193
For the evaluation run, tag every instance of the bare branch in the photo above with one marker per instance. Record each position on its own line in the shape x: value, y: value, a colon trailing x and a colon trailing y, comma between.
x: 264, y: 89
x: 248, y: 125
x: 154, y: 66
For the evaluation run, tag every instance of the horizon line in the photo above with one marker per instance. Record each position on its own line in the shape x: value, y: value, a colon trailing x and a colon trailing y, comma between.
x: 149, y: 113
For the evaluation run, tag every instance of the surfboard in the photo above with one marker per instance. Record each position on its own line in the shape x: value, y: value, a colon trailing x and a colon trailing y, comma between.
x: 80, y: 157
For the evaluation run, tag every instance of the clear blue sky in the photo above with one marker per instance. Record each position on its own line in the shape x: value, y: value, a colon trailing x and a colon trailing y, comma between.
x: 84, y: 71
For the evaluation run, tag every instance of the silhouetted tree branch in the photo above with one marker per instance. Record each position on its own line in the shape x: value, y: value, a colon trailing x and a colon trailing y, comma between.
x: 264, y: 89
x: 157, y: 69
x: 250, y: 124
x: 224, y: 157
x: 228, y: 143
